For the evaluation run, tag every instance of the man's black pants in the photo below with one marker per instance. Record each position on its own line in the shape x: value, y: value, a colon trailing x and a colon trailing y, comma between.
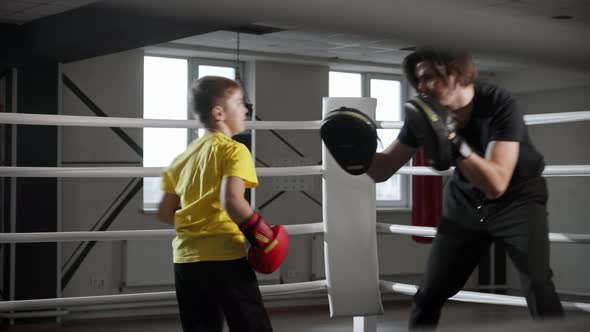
x: 457, y: 250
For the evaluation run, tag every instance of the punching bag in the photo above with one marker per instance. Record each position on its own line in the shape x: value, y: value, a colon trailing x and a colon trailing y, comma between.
x: 426, y: 198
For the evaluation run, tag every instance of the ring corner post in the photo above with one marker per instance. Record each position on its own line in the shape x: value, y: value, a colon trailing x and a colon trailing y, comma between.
x: 350, y: 236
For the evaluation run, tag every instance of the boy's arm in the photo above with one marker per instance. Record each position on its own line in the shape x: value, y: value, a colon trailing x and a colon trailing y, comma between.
x: 233, y: 200
x: 268, y: 245
x: 167, y: 208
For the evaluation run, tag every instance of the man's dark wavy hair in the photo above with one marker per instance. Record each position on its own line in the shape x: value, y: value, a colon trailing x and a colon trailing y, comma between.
x: 445, y: 61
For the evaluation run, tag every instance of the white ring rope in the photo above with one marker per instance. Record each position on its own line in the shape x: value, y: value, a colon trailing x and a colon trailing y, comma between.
x: 476, y: 297
x: 95, y: 121
x: 126, y: 235
x: 294, y: 288
x: 530, y: 120
x: 300, y: 229
x: 35, y: 314
x: 552, y: 118
x: 431, y: 232
x: 421, y: 170
x: 39, y: 237
x: 566, y: 170
x: 21, y: 305
x: 550, y: 171
x: 127, y: 172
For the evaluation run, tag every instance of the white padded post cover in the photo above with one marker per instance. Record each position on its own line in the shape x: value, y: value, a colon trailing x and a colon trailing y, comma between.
x: 350, y: 239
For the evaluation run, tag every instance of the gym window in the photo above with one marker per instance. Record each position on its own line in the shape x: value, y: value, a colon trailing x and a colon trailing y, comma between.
x: 165, y: 96
x: 389, y: 92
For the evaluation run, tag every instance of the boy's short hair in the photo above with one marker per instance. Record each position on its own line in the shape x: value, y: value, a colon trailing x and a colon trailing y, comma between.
x: 445, y: 61
x: 208, y: 92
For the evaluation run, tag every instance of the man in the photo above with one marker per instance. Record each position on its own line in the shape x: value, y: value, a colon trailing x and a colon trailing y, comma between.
x: 496, y: 192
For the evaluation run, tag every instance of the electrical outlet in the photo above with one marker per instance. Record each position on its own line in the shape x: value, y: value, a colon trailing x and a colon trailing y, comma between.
x: 292, y: 183
x: 97, y: 283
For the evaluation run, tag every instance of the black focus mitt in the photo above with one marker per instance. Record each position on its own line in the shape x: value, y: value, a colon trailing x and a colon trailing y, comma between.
x: 351, y: 137
x: 427, y: 120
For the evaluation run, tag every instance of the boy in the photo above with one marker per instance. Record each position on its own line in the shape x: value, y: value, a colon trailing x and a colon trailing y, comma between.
x: 213, y: 279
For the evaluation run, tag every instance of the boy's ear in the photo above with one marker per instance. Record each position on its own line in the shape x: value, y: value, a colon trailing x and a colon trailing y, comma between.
x: 217, y: 113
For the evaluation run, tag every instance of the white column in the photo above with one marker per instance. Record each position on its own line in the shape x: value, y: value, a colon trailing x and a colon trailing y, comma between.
x: 365, y: 324
x: 350, y: 238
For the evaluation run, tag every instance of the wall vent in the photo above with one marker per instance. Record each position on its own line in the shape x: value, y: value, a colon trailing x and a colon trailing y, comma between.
x: 255, y: 29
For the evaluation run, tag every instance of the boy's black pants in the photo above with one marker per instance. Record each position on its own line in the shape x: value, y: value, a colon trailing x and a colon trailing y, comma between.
x: 208, y: 291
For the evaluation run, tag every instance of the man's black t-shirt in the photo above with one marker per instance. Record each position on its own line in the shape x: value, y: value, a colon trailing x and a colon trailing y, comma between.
x: 495, y: 117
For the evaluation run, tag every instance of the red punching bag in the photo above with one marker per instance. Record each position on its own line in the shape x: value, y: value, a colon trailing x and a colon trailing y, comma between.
x: 426, y: 198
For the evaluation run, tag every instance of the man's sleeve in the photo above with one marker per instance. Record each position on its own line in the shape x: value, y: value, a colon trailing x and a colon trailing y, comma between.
x: 239, y: 163
x: 406, y: 137
x: 507, y: 124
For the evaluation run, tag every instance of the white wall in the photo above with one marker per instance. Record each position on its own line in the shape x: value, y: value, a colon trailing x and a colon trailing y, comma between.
x: 561, y: 144
x: 294, y: 92
x: 400, y: 257
x: 290, y: 92
x: 538, y: 79
x: 280, y: 91
x: 115, y: 84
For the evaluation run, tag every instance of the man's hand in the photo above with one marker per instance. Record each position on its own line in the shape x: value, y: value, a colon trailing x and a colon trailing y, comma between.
x: 460, y: 149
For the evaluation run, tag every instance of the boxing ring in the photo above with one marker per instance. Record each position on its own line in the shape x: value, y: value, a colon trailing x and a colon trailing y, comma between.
x: 349, y: 217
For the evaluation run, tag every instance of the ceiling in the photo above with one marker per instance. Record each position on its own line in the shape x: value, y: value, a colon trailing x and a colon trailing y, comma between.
x: 335, y: 45
x: 342, y: 50
x: 23, y: 11
x: 502, y: 34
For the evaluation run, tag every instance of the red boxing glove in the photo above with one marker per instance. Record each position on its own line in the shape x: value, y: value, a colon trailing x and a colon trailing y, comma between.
x: 268, y: 245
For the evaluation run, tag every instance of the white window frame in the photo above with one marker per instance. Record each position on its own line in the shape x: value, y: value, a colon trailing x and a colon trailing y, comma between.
x: 404, y: 203
x: 192, y: 73
x: 406, y: 193
x: 152, y: 207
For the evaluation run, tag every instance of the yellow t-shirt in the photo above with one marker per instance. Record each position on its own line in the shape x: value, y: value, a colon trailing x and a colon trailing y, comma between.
x: 204, y: 230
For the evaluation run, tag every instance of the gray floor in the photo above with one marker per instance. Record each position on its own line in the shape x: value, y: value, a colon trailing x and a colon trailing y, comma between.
x: 456, y: 317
